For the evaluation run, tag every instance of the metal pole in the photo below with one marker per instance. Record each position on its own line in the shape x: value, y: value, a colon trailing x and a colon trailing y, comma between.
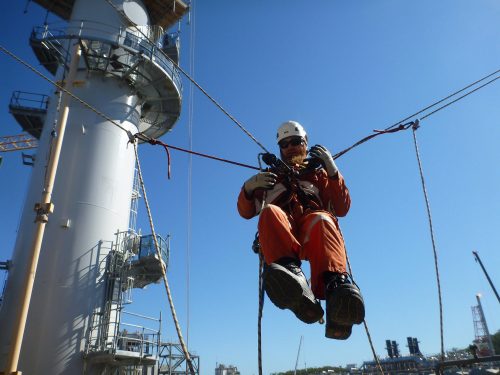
x: 476, y: 255
x: 43, y: 209
x: 297, y: 360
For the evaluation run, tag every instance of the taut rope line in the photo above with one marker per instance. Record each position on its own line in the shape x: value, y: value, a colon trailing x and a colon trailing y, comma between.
x: 163, y: 271
x: 191, y: 79
x: 368, y: 335
x: 427, y: 205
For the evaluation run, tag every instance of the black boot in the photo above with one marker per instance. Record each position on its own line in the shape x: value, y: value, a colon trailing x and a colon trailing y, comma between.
x: 287, y: 287
x: 344, y: 306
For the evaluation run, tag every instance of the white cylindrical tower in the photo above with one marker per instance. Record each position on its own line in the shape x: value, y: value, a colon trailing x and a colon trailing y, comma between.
x: 125, y: 76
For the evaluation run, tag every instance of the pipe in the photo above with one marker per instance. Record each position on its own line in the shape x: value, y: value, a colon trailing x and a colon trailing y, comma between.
x: 43, y: 210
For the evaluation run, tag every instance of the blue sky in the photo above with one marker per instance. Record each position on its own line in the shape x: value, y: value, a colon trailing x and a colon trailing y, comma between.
x: 342, y: 69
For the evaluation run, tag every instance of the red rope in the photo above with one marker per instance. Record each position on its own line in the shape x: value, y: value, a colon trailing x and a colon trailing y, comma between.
x: 168, y: 158
x: 375, y: 134
x: 166, y: 147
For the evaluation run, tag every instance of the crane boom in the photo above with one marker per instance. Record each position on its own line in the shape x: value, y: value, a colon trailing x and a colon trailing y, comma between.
x: 298, y: 353
x: 17, y: 142
x: 476, y: 255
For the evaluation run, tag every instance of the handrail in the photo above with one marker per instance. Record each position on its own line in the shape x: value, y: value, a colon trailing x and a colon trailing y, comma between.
x: 140, y: 316
x: 125, y: 38
x: 139, y: 326
x: 19, y: 97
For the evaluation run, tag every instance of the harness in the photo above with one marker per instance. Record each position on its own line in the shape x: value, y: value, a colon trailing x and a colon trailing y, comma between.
x: 295, y: 198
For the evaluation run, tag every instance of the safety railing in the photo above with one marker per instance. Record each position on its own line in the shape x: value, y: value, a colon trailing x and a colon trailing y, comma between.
x: 147, y: 248
x: 154, y: 53
x: 128, y: 38
x: 29, y: 100
x: 138, y: 338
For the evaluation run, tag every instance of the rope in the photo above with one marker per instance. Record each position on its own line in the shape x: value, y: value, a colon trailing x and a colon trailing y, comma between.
x: 415, y: 127
x: 398, y: 126
x: 163, y: 270
x: 442, y: 100
x: 40, y: 74
x: 461, y: 97
x: 376, y: 134
x: 191, y: 79
x: 261, y: 308
x: 342, y: 152
x: 166, y: 147
x: 192, y: 40
x: 391, y: 129
x: 368, y: 335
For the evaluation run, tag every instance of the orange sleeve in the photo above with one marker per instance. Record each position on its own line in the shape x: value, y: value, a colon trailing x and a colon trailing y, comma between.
x: 246, y: 206
x: 335, y: 194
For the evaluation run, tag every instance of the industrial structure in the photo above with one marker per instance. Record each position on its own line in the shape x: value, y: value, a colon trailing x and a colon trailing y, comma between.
x: 482, y: 335
x: 416, y: 363
x: 226, y: 370
x: 116, y: 57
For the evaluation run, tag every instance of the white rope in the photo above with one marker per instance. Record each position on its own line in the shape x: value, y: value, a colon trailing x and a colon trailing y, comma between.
x: 163, y: 270
x: 190, y: 168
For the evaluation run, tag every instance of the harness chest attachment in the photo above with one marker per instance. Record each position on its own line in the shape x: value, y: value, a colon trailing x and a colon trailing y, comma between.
x: 290, y: 178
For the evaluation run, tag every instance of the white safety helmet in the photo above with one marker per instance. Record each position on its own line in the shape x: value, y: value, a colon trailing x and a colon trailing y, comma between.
x: 290, y: 129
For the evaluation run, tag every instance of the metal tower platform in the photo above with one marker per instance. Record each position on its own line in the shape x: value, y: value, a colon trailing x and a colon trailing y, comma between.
x: 120, y: 53
x: 29, y: 110
x: 145, y: 268
x: 113, y: 57
x: 173, y: 360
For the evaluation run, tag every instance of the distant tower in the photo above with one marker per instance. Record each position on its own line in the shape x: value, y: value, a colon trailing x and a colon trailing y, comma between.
x: 395, y: 349
x: 481, y: 332
x: 392, y: 348
x: 126, y: 77
x: 388, y: 347
x: 410, y: 345
x: 413, y: 346
x: 416, y: 347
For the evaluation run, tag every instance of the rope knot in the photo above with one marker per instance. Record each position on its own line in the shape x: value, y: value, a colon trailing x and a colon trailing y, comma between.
x: 153, y: 142
x: 131, y: 137
x: 415, y: 125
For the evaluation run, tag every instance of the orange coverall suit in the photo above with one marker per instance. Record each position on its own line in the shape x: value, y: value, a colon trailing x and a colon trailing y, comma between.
x: 292, y: 226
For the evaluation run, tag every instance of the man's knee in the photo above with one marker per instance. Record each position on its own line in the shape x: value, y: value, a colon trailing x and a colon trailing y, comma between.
x: 272, y: 219
x: 270, y: 212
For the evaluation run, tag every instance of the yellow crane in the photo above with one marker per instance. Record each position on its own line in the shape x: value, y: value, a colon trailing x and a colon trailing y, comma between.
x: 17, y: 142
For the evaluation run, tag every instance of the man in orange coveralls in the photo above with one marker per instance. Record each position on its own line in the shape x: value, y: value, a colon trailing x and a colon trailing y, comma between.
x: 298, y: 220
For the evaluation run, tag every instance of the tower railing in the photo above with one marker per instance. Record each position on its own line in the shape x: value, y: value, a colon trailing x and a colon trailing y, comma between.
x: 139, y: 338
x: 123, y: 53
x: 113, y: 330
x: 29, y: 100
x: 126, y: 38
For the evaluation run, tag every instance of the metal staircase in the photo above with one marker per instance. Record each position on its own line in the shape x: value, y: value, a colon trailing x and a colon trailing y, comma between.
x: 114, y: 336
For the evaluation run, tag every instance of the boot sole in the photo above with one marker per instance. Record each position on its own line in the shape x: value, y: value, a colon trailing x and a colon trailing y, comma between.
x: 346, y: 306
x: 287, y: 293
x: 337, y: 331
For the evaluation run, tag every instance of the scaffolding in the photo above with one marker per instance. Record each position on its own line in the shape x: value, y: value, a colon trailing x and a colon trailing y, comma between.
x: 118, y: 338
x: 482, y: 340
x: 173, y: 361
